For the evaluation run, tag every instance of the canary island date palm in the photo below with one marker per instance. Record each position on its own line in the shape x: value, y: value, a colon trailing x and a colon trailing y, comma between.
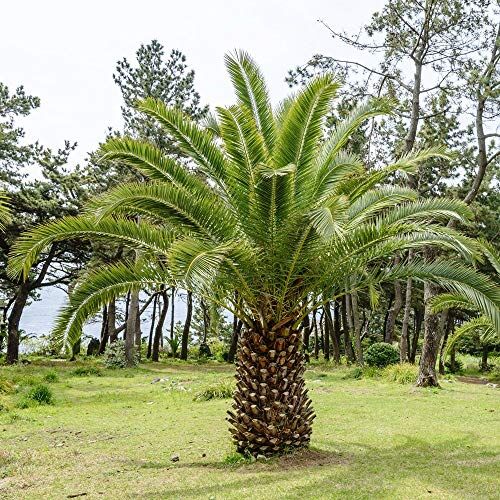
x: 278, y: 212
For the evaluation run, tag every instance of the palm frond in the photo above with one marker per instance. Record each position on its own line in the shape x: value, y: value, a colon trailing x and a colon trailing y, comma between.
x: 30, y: 245
x: 251, y: 91
x: 194, y: 141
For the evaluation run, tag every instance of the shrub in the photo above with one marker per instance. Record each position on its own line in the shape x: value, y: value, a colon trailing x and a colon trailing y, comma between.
x: 40, y: 394
x: 457, y: 367
x: 222, y: 390
x: 114, y: 357
x: 404, y: 373
x: 87, y: 371
x: 51, y: 376
x: 354, y: 373
x: 381, y: 355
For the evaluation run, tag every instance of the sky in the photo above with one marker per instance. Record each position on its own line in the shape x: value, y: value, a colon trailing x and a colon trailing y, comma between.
x: 65, y: 52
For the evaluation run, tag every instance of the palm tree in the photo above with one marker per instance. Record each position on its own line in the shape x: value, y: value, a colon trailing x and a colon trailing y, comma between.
x: 284, y: 216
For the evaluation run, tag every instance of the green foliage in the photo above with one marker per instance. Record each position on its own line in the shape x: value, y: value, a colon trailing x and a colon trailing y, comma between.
x: 51, y: 376
x: 222, y: 390
x: 5, y: 405
x: 355, y: 373
x: 403, y: 373
x: 279, y: 201
x: 87, y: 371
x: 40, y: 394
x: 381, y: 354
x: 174, y: 344
x: 114, y: 357
x: 456, y: 367
x: 6, y: 387
x: 236, y: 459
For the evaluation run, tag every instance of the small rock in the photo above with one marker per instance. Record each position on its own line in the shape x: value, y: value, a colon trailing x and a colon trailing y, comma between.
x: 59, y: 445
x: 261, y: 457
x: 494, y: 386
x: 174, y: 457
x: 156, y: 380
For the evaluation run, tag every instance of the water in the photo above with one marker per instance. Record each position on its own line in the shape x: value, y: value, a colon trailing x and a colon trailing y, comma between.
x: 39, y: 317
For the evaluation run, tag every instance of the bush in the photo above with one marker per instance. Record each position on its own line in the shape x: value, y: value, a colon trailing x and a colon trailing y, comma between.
x: 222, y: 390
x: 51, y: 376
x: 87, y: 371
x: 381, y: 355
x: 114, y: 357
x: 354, y: 373
x: 404, y: 373
x: 40, y: 394
x: 457, y: 368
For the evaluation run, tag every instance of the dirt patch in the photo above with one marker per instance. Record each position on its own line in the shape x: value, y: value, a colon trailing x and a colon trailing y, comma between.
x: 472, y: 380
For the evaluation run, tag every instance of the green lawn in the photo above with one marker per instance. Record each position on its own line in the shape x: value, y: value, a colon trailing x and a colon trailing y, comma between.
x: 113, y: 436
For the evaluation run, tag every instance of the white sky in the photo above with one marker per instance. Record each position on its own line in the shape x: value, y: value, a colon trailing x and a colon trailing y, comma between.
x: 65, y: 52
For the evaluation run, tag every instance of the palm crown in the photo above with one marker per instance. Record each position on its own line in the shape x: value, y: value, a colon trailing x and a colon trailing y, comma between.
x: 279, y: 213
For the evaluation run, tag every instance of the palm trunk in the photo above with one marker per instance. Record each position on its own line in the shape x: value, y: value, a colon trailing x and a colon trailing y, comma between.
x: 187, y: 326
x: 272, y: 411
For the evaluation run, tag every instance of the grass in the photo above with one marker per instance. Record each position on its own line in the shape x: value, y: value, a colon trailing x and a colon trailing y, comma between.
x: 114, y: 436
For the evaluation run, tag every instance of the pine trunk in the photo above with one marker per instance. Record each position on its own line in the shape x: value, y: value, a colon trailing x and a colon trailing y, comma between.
x: 427, y: 376
x: 187, y: 326
x: 272, y: 411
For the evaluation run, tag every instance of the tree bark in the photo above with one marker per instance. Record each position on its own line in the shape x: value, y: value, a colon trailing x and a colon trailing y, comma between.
x: 13, y: 323
x: 306, y: 336
x: 484, y: 358
x: 152, y: 328
x: 112, y: 321
x: 355, y: 324
x: 326, y: 337
x: 330, y: 331
x: 155, y: 356
x: 104, y: 331
x: 405, y: 333
x: 416, y: 334
x: 187, y: 326
x: 172, y: 311
x: 316, y: 336
x: 336, y: 332
x: 272, y: 411
x: 427, y: 376
x: 395, y: 309
x: 349, y: 352
x: 130, y: 330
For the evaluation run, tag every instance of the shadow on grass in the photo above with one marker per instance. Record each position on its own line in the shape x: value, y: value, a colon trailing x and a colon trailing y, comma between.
x: 367, y: 472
